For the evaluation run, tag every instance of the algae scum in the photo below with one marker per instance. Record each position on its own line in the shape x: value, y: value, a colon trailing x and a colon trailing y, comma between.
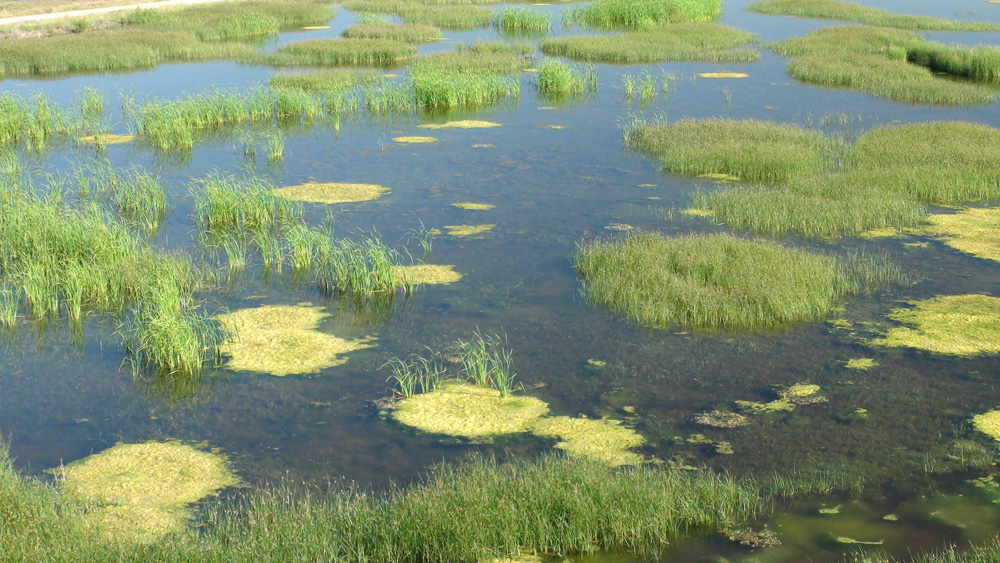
x: 306, y: 245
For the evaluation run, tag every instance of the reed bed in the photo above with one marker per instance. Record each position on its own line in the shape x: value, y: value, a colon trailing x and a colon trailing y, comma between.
x: 853, y: 12
x: 486, y: 48
x: 480, y: 60
x: 324, y: 81
x: 31, y: 123
x: 557, y: 79
x: 342, y: 52
x: 223, y: 202
x: 754, y: 151
x: 455, y: 16
x: 893, y: 64
x: 407, y: 32
x: 483, y: 359
x: 676, y: 42
x: 465, y: 79
x: 475, y: 511
x: 523, y: 20
x: 644, y: 14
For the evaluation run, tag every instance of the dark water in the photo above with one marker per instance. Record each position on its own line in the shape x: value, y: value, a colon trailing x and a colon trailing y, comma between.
x: 63, y: 397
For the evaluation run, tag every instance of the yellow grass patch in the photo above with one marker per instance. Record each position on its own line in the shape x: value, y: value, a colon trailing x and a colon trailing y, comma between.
x: 414, y: 140
x: 604, y: 440
x: 145, y: 488
x: 861, y: 363
x: 975, y: 231
x: 314, y: 27
x: 988, y: 423
x: 463, y: 124
x: 107, y: 139
x: 284, y: 340
x: 472, y: 411
x: 474, y: 206
x: 722, y: 75
x: 431, y: 274
x: 884, y: 232
x: 958, y: 325
x: 696, y: 212
x: 720, y: 177
x: 468, y: 230
x: 330, y: 192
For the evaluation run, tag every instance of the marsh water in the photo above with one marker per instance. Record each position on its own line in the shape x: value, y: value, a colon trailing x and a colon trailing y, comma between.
x: 558, y: 176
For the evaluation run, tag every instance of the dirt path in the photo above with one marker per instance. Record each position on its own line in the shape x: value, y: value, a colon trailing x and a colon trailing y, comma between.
x: 97, y: 11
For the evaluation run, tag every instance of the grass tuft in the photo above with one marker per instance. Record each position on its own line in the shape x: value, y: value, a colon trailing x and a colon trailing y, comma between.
x: 557, y: 79
x: 851, y: 11
x: 676, y: 42
x: 342, y: 52
x: 644, y: 14
x: 407, y: 32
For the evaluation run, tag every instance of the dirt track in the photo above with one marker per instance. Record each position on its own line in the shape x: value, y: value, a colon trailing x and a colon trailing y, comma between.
x: 98, y: 11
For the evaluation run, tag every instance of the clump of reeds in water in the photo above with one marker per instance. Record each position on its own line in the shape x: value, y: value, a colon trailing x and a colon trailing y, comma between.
x: 465, y: 79
x: 675, y: 42
x: 407, y: 32
x: 483, y: 359
x: 522, y: 20
x: 32, y: 123
x: 643, y: 14
x: 323, y: 81
x: 557, y: 79
x: 342, y: 52
x: 225, y: 202
x: 443, y: 15
x: 851, y: 11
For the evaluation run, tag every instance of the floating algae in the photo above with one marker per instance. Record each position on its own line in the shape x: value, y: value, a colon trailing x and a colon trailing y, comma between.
x: 414, y: 140
x: 107, y: 139
x: 430, y: 274
x: 988, y: 423
x: 145, y: 488
x: 861, y: 363
x: 314, y: 27
x: 463, y: 124
x: 696, y: 212
x: 599, y: 439
x: 471, y: 411
x: 720, y: 176
x: 975, y: 231
x: 721, y: 419
x: 283, y: 340
x: 723, y: 75
x: 958, y: 325
x: 468, y: 230
x: 330, y: 192
x: 474, y: 206
x: 796, y: 395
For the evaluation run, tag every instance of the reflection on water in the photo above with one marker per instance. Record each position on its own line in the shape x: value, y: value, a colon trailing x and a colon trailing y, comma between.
x: 64, y: 395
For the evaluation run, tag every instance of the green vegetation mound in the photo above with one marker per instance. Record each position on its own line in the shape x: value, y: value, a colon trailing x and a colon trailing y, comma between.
x: 327, y: 80
x: 407, y: 32
x: 645, y: 14
x: 330, y: 192
x: 677, y: 42
x: 342, y: 52
x: 443, y: 15
x: 604, y: 440
x: 974, y: 231
x: 851, y: 11
x: 988, y: 423
x: 955, y: 325
x: 716, y: 282
x: 471, y: 411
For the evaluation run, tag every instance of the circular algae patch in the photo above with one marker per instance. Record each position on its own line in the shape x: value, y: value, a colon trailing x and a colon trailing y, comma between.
x: 284, y: 340
x: 430, y: 274
x: 603, y: 440
x: 957, y: 325
x: 468, y: 230
x: 471, y: 411
x: 414, y: 140
x: 146, y: 487
x: 107, y: 139
x: 331, y: 192
x: 463, y: 124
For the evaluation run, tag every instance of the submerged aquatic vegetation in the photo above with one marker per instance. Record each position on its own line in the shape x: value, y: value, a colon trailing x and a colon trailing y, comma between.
x: 891, y: 63
x: 975, y: 231
x: 471, y: 411
x: 676, y: 42
x: 331, y: 192
x: 468, y: 230
x: 105, y: 139
x: 721, y: 419
x: 473, y: 206
x: 143, y: 489
x: 462, y: 124
x: 429, y: 274
x: 414, y: 140
x: 715, y: 282
x: 790, y: 398
x: 988, y: 423
x: 956, y: 325
x: 851, y: 11
x: 599, y: 439
x: 863, y: 364
x: 284, y: 340
x: 407, y: 32
x: 644, y: 14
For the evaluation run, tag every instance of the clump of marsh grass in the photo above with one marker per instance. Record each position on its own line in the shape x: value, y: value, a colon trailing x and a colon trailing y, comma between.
x: 643, y: 14
x: 443, y: 15
x: 407, y: 32
x: 522, y: 20
x: 324, y: 81
x: 851, y: 11
x: 32, y: 123
x: 342, y: 52
x: 483, y: 359
x: 496, y: 47
x: 557, y: 79
x: 224, y: 202
x: 712, y: 282
x: 465, y: 79
x: 91, y: 104
x: 676, y: 42
x: 274, y: 140
x: 415, y: 375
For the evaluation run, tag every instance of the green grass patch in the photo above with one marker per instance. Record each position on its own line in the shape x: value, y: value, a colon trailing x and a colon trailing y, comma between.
x: 644, y: 14
x: 486, y: 48
x: 445, y: 16
x: 851, y: 11
x: 677, y: 42
x: 407, y: 32
x: 322, y: 81
x: 711, y: 282
x: 472, y: 59
x: 557, y: 79
x: 517, y: 19
x: 893, y: 64
x: 469, y: 78
x: 342, y: 52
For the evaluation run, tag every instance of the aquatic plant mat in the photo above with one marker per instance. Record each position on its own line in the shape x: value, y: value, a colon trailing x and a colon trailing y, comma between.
x: 331, y: 192
x: 956, y: 325
x: 854, y: 12
x: 677, y: 42
x: 550, y: 505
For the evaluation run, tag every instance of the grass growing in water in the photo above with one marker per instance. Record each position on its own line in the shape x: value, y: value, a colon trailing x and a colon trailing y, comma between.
x: 557, y: 79
x: 407, y: 32
x: 445, y: 16
x: 465, y: 79
x: 713, y: 282
x: 323, y: 81
x: 851, y: 11
x: 342, y: 52
x: 522, y: 20
x: 676, y: 42
x: 644, y: 14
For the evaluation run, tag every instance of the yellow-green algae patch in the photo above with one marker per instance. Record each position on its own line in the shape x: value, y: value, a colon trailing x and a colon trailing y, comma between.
x: 958, y: 325
x: 471, y: 411
x: 975, y: 231
x: 283, y: 340
x: 600, y: 439
x: 473, y: 206
x: 468, y: 230
x: 720, y: 176
x: 414, y: 140
x: 107, y: 139
x: 696, y: 212
x: 883, y: 232
x: 330, y: 192
x: 861, y: 363
x: 145, y: 488
x: 988, y: 423
x: 723, y: 74
x: 314, y: 27
x: 796, y: 395
x: 463, y: 124
x: 431, y: 274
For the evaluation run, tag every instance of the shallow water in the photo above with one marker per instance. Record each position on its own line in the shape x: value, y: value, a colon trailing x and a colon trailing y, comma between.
x: 64, y: 397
